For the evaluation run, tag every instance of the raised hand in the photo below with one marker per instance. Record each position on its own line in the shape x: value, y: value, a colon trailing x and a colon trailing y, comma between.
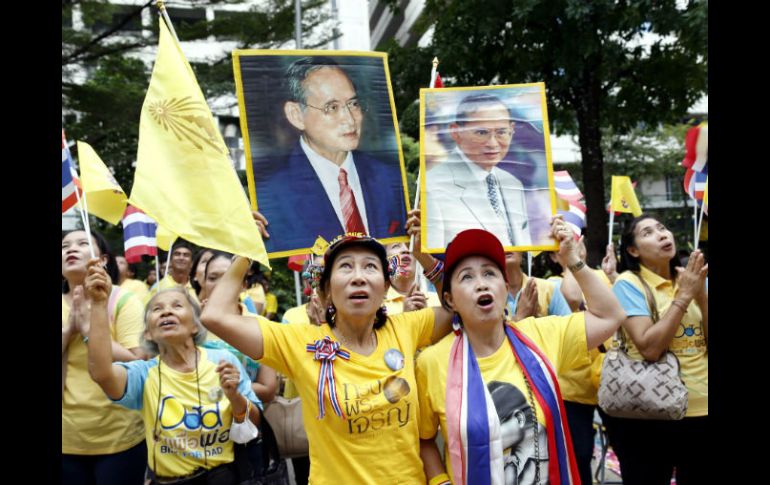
x: 415, y: 300
x: 229, y: 377
x: 527, y: 306
x: 98, y: 283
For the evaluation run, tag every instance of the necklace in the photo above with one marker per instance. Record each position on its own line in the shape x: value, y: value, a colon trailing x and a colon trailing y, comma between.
x: 345, y: 340
x: 156, y: 433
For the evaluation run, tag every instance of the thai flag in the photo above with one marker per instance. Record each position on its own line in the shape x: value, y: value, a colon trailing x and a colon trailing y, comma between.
x: 695, y: 184
x: 565, y: 186
x: 138, y: 235
x: 69, y: 178
x: 575, y: 217
x: 696, y: 145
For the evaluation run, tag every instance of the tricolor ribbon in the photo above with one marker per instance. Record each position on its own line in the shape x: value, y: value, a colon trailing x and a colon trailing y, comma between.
x: 326, y: 351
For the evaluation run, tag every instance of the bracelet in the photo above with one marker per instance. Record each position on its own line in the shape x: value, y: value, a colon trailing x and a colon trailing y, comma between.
x: 577, y: 266
x: 241, y: 417
x: 435, y: 272
x: 679, y: 304
x: 441, y: 479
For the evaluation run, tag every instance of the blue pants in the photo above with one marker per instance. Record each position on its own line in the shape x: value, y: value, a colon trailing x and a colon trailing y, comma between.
x: 123, y: 468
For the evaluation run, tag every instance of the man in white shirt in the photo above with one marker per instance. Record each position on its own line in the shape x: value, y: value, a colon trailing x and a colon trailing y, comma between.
x: 326, y: 187
x: 468, y: 190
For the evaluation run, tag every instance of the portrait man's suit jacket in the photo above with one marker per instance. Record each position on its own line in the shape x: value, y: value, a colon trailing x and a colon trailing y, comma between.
x: 298, y: 210
x: 457, y: 200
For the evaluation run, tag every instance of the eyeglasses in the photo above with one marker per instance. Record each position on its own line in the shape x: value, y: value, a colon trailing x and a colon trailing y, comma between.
x: 480, y: 135
x: 334, y: 108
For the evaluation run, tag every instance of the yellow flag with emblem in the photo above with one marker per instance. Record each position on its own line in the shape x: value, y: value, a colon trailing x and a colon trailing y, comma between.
x: 623, y: 197
x: 184, y: 178
x: 104, y: 197
x: 319, y: 247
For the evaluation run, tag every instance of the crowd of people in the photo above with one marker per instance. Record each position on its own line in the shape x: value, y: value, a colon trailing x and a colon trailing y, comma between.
x: 483, y: 374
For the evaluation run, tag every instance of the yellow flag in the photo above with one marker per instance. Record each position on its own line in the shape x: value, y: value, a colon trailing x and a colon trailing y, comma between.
x: 164, y: 238
x: 319, y: 247
x: 184, y: 178
x: 104, y: 196
x: 706, y: 192
x: 623, y: 197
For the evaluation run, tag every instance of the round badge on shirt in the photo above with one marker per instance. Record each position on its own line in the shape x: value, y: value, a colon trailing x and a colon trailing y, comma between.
x: 394, y: 359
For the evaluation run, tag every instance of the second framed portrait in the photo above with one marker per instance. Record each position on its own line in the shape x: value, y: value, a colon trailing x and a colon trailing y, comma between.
x: 486, y: 159
x: 322, y: 146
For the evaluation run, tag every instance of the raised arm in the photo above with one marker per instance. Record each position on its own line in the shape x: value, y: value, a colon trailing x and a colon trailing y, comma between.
x: 603, y: 314
x: 653, y: 340
x: 222, y: 317
x: 426, y: 260
x: 111, y: 378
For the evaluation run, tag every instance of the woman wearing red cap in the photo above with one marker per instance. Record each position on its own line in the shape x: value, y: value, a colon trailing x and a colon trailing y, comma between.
x: 354, y: 374
x: 492, y: 385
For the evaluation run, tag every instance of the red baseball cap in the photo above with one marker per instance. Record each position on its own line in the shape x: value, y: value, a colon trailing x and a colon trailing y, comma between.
x: 473, y: 242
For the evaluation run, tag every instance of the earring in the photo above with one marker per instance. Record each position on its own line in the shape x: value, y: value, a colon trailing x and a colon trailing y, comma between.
x: 505, y: 313
x: 456, y: 322
x: 331, y: 312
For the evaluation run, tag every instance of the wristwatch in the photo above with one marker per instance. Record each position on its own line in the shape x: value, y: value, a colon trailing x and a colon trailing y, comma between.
x: 577, y: 266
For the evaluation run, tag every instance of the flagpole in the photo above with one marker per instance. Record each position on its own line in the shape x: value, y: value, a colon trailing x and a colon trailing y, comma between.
x: 529, y: 264
x: 612, y: 222
x: 695, y: 223
x: 84, y: 217
x: 418, y: 267
x: 297, y: 291
x: 700, y: 224
x: 163, y: 12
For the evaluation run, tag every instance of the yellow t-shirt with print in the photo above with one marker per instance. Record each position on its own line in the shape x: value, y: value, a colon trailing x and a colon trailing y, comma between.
x: 138, y: 288
x: 378, y: 442
x: 580, y: 385
x: 90, y: 423
x: 561, y: 338
x: 689, y: 343
x: 188, y: 427
x: 394, y: 301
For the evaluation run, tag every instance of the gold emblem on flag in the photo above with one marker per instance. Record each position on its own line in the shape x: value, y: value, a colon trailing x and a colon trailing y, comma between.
x: 187, y: 120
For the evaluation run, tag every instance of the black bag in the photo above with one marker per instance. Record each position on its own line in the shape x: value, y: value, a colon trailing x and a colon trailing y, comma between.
x: 274, y: 471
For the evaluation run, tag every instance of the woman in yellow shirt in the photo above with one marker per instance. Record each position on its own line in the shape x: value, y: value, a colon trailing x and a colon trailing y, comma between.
x: 492, y: 386
x: 649, y: 450
x: 101, y: 442
x: 354, y: 374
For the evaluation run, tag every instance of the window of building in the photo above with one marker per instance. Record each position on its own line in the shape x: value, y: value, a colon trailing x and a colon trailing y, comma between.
x: 113, y: 15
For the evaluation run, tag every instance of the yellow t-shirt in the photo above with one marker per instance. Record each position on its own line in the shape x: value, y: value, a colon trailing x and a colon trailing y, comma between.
x: 185, y: 431
x: 561, y: 338
x: 378, y: 442
x: 138, y: 288
x: 169, y: 282
x: 394, y: 301
x: 297, y: 314
x: 271, y: 303
x: 580, y: 385
x: 689, y: 343
x: 90, y: 423
x: 257, y: 294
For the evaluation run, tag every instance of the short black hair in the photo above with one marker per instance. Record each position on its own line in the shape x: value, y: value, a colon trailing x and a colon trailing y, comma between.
x: 104, y: 249
x: 627, y: 239
x: 381, y: 316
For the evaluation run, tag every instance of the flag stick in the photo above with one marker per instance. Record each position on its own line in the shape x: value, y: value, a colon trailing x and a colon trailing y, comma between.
x: 529, y: 264
x: 695, y: 223
x: 163, y: 12
x: 297, y: 291
x: 157, y: 271
x: 418, y: 267
x: 612, y: 223
x: 700, y: 224
x: 84, y: 217
x: 168, y: 261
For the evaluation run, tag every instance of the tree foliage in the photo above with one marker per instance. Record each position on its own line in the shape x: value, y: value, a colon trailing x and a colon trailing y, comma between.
x: 606, y: 64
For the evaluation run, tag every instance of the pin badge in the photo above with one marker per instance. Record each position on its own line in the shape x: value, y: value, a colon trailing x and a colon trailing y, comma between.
x: 394, y: 359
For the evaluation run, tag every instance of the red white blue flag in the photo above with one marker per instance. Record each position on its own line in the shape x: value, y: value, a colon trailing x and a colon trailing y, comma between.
x: 138, y: 235
x: 565, y: 187
x: 70, y: 183
x: 695, y: 184
x: 696, y: 146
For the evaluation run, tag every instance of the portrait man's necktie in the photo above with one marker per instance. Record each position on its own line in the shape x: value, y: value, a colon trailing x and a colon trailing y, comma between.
x: 495, y: 202
x: 353, y: 222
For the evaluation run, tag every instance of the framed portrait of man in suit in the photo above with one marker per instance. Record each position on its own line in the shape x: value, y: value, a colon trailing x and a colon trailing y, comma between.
x: 322, y: 146
x: 485, y: 163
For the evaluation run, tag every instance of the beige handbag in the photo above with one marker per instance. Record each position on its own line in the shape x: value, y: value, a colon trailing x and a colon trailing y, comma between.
x: 640, y: 389
x: 285, y: 418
